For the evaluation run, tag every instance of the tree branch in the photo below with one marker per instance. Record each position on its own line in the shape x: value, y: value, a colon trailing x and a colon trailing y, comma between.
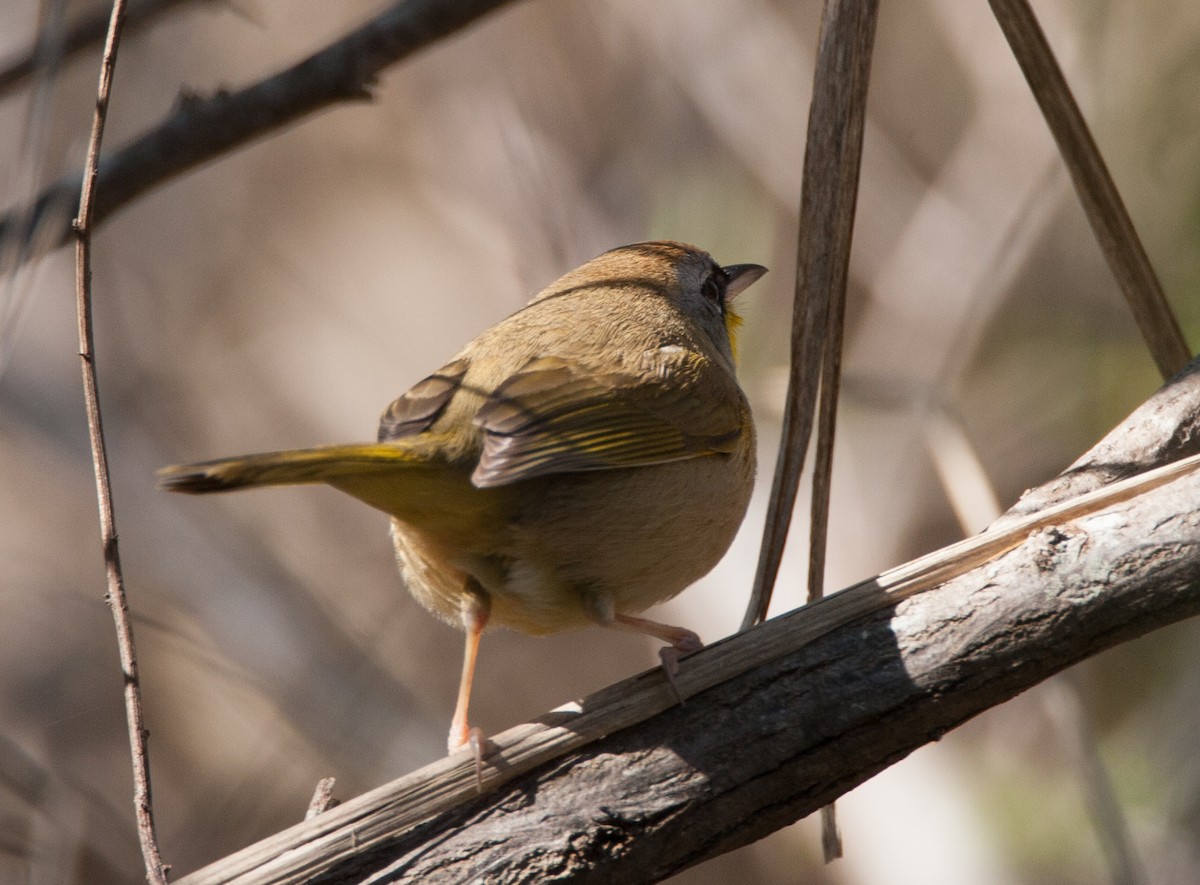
x: 201, y: 129
x: 135, y: 720
x: 629, y: 786
x: 759, y: 752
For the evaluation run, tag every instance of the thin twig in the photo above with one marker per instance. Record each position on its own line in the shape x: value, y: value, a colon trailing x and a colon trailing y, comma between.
x: 846, y: 187
x: 201, y: 129
x: 143, y: 809
x: 1105, y: 210
x: 818, y: 535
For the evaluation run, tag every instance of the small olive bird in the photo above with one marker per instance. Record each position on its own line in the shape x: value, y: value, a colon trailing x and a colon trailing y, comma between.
x: 585, y: 458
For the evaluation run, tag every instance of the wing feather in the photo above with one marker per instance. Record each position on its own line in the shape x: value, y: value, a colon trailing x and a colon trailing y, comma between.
x: 555, y: 416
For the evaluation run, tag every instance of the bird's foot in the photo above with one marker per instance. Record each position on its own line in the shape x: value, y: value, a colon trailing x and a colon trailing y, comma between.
x: 683, y: 643
x: 464, y: 738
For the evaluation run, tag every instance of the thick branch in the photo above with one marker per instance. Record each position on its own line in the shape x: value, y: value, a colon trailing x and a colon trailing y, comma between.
x: 780, y: 719
x: 759, y: 752
x: 201, y: 129
x: 785, y: 717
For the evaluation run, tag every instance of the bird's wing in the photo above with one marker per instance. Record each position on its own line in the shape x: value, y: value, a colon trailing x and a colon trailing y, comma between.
x: 555, y: 416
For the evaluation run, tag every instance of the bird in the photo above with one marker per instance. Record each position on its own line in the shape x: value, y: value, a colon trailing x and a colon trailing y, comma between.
x: 583, y: 459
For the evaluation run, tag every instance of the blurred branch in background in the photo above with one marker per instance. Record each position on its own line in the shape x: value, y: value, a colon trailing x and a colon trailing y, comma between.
x: 1165, y: 428
x: 1074, y: 731
x: 201, y: 129
x: 59, y: 44
x: 283, y: 295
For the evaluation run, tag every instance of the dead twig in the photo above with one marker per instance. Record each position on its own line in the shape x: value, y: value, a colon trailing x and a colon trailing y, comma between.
x: 322, y: 799
x: 861, y: 32
x: 1105, y: 210
x: 143, y: 807
x: 832, y: 159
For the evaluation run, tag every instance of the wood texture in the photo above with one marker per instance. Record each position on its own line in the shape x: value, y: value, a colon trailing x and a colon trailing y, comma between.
x: 780, y: 719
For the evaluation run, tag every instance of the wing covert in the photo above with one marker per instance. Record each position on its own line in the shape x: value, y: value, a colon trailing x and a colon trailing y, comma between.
x: 555, y: 416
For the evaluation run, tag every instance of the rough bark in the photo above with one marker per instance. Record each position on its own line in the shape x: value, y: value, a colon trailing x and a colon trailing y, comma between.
x: 780, y: 719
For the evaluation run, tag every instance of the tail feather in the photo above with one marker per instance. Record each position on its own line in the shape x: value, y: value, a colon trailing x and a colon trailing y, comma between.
x: 293, y: 467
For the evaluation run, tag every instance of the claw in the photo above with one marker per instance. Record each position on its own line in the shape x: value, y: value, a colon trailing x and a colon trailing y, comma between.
x: 478, y: 742
x: 669, y: 655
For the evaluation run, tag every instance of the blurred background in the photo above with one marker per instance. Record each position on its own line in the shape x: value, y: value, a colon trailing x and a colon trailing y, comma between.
x: 283, y: 295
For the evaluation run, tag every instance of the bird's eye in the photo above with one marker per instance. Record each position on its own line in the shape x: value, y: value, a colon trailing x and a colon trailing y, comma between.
x: 713, y: 290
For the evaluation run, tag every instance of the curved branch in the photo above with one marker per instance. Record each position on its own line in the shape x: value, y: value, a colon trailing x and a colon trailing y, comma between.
x: 780, y: 720
x: 201, y: 129
x: 785, y: 717
x: 757, y: 753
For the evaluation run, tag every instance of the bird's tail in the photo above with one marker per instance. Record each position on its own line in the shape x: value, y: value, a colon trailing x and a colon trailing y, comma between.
x: 325, y: 464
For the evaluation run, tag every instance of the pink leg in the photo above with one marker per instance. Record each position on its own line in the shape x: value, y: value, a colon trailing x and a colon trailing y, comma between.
x: 475, y: 616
